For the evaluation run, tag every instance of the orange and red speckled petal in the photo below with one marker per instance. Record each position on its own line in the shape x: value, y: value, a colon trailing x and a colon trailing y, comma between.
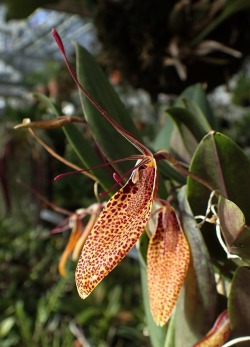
x: 219, y: 333
x: 167, y: 264
x: 117, y: 229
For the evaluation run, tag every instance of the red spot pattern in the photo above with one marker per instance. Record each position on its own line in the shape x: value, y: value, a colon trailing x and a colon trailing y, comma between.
x: 167, y: 264
x: 117, y: 229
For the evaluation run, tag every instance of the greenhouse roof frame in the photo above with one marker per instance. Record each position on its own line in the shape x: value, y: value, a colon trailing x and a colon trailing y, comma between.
x: 27, y: 45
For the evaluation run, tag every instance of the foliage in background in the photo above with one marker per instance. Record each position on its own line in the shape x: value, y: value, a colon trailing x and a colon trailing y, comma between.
x: 211, y: 156
x: 188, y: 43
x: 38, y: 308
x: 163, y: 46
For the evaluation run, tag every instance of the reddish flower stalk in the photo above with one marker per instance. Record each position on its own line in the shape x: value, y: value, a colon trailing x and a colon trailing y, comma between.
x: 124, y: 218
x: 122, y: 221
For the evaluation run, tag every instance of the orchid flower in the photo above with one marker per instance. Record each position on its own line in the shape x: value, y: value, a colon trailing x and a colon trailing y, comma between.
x: 124, y: 218
x: 167, y: 264
x: 79, y: 233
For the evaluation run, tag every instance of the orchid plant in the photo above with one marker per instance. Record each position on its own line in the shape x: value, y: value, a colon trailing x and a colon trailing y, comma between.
x: 156, y: 209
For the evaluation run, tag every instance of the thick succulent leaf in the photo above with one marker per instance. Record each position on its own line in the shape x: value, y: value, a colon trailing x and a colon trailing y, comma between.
x: 157, y: 334
x: 117, y: 229
x: 222, y: 164
x: 197, y: 125
x: 192, y: 127
x: 163, y: 141
x: 239, y: 304
x: 191, y: 116
x: 183, y: 143
x: 191, y: 124
x: 163, y: 138
x: 219, y: 333
x: 199, y: 116
x: 197, y: 305
x: 98, y: 86
x: 167, y: 264
x: 167, y: 171
x: 234, y: 228
x: 95, y: 82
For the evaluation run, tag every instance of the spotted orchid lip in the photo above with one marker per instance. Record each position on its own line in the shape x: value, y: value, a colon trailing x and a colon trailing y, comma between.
x: 117, y: 230
x: 122, y: 221
x: 168, y: 258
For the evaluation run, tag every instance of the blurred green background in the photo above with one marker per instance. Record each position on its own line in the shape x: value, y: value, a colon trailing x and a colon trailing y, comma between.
x: 151, y: 52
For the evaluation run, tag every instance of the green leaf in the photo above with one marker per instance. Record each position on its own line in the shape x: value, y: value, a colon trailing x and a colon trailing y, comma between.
x: 112, y: 144
x: 222, y: 164
x: 6, y: 325
x: 191, y: 123
x: 163, y: 138
x: 184, y: 142
x: 234, y: 228
x: 82, y: 146
x: 197, y: 305
x: 196, y: 94
x: 239, y: 304
x: 170, y: 337
x: 194, y: 121
x: 157, y: 334
x: 88, y: 155
x: 163, y: 141
x: 48, y: 102
x: 231, y: 7
x: 24, y: 322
